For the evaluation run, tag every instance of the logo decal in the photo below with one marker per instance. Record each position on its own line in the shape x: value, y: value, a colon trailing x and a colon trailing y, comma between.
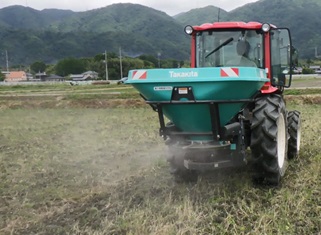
x: 190, y: 74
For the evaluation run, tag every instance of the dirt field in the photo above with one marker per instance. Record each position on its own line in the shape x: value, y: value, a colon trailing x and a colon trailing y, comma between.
x: 73, y: 164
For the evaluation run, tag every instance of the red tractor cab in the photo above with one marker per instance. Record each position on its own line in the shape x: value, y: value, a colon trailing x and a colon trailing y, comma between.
x: 226, y: 44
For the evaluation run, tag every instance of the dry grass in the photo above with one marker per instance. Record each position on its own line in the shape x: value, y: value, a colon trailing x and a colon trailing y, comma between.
x: 102, y: 171
x: 50, y: 157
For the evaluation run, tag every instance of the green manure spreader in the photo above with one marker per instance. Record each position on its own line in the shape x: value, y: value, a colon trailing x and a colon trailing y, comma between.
x: 228, y: 103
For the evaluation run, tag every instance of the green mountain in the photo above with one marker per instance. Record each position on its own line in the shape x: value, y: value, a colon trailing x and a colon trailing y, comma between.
x: 118, y: 17
x: 201, y: 15
x: 144, y: 29
x: 19, y: 17
x: 50, y: 35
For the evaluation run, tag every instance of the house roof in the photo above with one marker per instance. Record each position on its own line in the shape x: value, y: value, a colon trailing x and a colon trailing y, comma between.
x: 41, y: 74
x: 90, y: 72
x: 315, y: 67
x: 16, y: 74
x: 76, y: 76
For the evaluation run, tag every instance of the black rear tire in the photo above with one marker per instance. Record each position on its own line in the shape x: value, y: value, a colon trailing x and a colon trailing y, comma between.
x: 294, y: 128
x: 269, y: 139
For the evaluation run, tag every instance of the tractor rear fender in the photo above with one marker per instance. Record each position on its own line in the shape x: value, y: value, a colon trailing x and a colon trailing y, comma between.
x: 268, y: 89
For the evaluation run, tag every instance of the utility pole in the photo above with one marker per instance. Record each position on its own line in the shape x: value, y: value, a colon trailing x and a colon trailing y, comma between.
x: 121, y: 64
x: 158, y: 56
x: 316, y: 53
x: 106, y: 65
x: 7, y: 61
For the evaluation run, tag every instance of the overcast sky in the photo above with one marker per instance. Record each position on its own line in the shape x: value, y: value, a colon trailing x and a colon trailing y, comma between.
x: 171, y: 7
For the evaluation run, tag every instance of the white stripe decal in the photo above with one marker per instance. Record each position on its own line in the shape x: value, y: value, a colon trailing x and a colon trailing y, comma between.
x: 230, y: 72
x: 261, y: 74
x: 138, y: 73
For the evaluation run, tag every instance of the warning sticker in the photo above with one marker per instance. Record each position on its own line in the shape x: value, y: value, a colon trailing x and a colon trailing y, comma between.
x: 139, y: 74
x: 182, y: 90
x: 230, y: 72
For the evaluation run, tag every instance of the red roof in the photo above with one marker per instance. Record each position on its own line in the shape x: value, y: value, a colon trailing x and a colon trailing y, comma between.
x: 16, y: 76
x: 228, y: 25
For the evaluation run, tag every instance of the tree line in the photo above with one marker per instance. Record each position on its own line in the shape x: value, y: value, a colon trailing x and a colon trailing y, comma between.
x: 71, y: 65
x: 117, y: 66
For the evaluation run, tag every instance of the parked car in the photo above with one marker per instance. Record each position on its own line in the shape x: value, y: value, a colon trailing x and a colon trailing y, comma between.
x: 121, y: 81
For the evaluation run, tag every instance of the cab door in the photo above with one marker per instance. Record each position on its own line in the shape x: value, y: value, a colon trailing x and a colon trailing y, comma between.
x: 281, y: 57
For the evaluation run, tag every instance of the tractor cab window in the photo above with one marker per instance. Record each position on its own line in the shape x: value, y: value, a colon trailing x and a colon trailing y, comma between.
x: 281, y: 57
x: 242, y: 48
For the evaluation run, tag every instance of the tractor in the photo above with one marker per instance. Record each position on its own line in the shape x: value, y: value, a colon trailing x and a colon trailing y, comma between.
x: 227, y: 109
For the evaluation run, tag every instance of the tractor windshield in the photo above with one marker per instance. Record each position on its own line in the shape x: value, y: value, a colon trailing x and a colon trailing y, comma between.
x: 229, y: 48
